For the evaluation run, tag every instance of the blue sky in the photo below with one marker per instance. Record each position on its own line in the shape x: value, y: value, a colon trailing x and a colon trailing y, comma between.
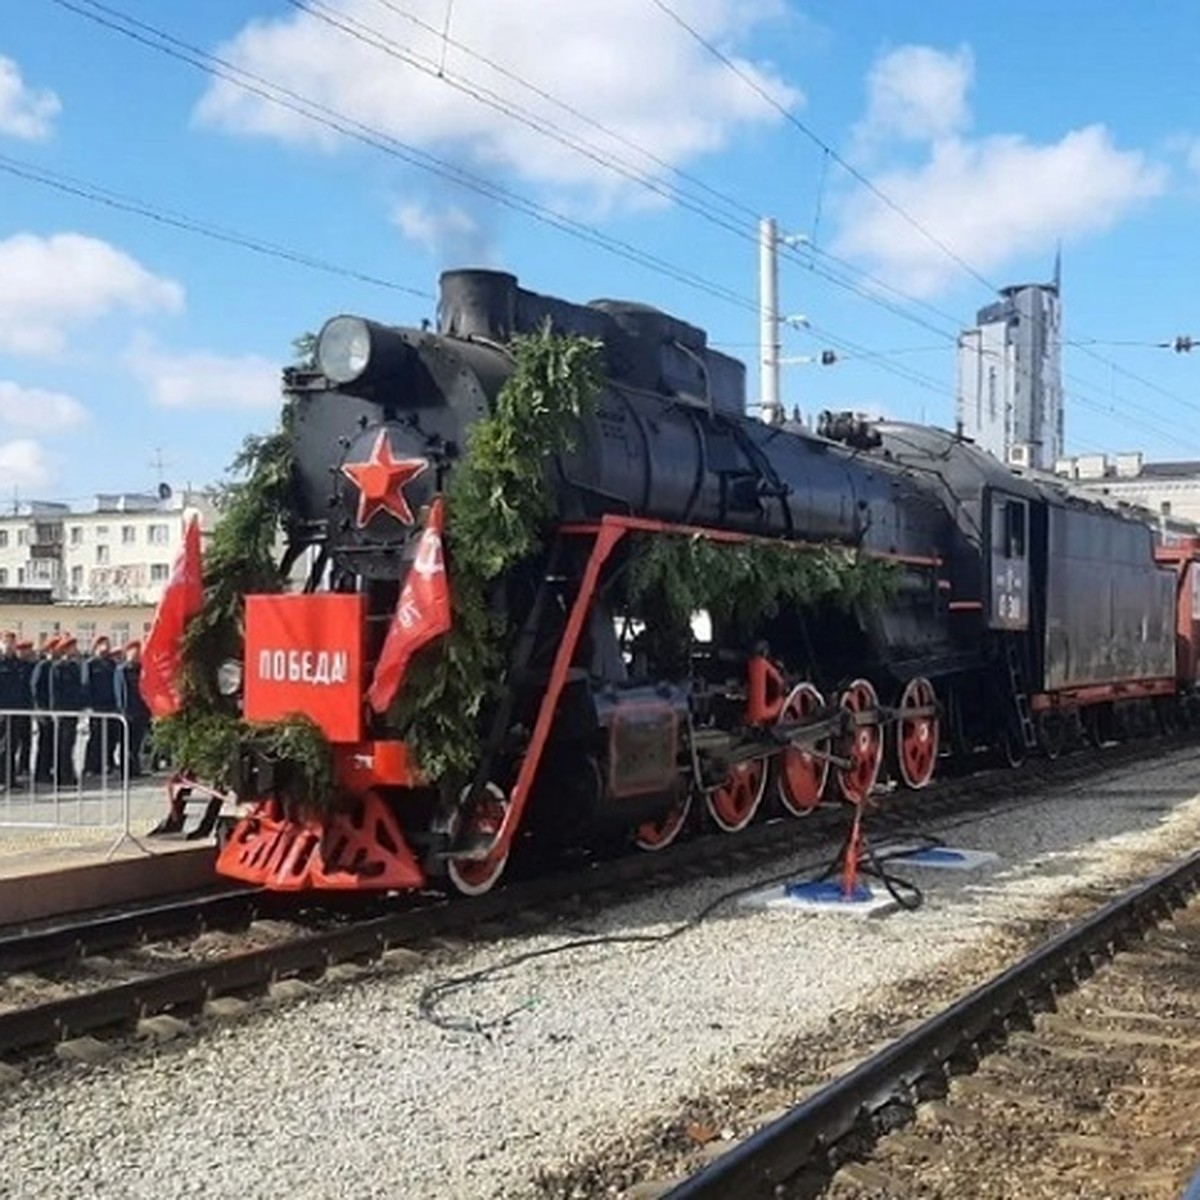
x: 999, y: 131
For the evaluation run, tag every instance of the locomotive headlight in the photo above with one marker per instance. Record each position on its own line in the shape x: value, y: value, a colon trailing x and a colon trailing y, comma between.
x: 344, y: 349
x: 353, y: 351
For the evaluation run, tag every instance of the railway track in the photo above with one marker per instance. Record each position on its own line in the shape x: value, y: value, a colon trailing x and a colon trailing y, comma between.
x: 142, y: 983
x: 1060, y: 1076
x: 59, y: 941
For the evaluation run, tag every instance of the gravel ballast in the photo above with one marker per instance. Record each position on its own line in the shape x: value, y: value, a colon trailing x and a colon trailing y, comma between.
x: 352, y: 1092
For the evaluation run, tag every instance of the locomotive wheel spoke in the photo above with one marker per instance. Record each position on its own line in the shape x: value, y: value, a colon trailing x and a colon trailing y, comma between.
x: 865, y: 750
x: 801, y: 775
x: 659, y: 832
x: 734, y: 801
x: 474, y: 876
x: 917, y: 737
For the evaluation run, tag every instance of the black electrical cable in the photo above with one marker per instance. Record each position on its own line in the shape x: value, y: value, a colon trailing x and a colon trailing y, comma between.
x: 431, y: 997
x: 906, y: 894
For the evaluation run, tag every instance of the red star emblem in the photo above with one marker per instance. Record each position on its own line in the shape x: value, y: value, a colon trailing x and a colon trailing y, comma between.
x: 381, y: 481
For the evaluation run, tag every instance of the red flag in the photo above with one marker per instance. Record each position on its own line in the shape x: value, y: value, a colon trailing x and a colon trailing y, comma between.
x: 422, y: 613
x: 162, y: 654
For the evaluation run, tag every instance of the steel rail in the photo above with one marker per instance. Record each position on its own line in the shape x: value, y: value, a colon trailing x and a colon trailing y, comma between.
x: 803, y: 1138
x: 24, y: 1030
x: 189, y: 987
x: 86, y: 933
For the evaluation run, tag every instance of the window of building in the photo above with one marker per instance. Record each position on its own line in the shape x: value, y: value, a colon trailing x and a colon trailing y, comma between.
x: 20, y: 577
x: 22, y: 537
x: 3, y: 538
x: 76, y: 535
x: 102, y: 556
x: 1165, y: 507
x: 159, y: 572
x: 76, y: 579
x: 120, y: 634
x: 101, y: 532
x: 85, y: 631
x: 3, y: 577
x: 158, y: 535
x: 128, y: 535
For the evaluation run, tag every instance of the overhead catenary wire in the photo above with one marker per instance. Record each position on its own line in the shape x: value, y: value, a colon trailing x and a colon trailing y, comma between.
x: 97, y: 194
x: 159, y: 40
x: 363, y: 31
x: 814, y: 137
x: 602, y: 156
x: 892, y: 205
x: 840, y: 274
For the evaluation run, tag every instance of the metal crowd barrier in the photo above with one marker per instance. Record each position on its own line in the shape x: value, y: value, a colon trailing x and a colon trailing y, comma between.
x: 44, y: 781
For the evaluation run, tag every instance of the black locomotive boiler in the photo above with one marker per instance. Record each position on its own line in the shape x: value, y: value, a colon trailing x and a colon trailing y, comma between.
x: 1015, y: 615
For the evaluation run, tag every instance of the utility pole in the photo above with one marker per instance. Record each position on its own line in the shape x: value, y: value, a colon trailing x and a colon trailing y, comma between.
x: 770, y: 408
x: 768, y: 317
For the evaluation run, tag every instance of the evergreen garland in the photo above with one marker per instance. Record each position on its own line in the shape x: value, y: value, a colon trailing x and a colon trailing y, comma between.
x: 741, y: 582
x: 208, y: 737
x: 498, y: 502
x: 211, y: 745
x: 239, y: 560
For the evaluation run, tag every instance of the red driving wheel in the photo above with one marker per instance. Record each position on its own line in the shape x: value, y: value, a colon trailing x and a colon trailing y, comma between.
x: 917, y: 735
x: 802, y: 774
x: 659, y: 832
x: 734, y: 801
x: 865, y: 748
x: 474, y: 876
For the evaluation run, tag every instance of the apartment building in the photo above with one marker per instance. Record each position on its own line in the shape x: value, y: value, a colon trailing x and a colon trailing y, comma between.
x: 116, y: 551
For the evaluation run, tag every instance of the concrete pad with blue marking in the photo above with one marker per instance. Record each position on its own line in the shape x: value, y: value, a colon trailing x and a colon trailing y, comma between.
x: 822, y: 896
x: 938, y: 858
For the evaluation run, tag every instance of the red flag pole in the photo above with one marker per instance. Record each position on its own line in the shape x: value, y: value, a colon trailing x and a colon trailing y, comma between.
x: 162, y: 655
x: 422, y: 612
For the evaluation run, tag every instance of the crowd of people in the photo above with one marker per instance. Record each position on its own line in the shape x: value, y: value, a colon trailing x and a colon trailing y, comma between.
x: 59, y: 710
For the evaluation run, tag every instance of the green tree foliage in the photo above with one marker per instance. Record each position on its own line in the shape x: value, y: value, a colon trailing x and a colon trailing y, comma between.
x: 304, y: 348
x: 498, y: 503
x: 208, y: 737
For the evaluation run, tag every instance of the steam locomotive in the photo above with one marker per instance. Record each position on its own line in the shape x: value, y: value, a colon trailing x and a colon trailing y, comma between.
x: 1018, y: 616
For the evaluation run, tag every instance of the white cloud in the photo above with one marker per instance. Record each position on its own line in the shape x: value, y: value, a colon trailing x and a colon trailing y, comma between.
x: 25, y: 112
x: 33, y: 408
x: 51, y: 285
x: 23, y: 464
x: 987, y: 199
x: 451, y: 233
x: 1192, y: 155
x: 199, y: 379
x: 623, y: 62
x: 917, y: 92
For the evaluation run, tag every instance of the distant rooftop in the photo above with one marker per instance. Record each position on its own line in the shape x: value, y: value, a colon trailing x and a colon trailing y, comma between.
x: 1186, y: 469
x: 1129, y: 467
x: 174, y: 501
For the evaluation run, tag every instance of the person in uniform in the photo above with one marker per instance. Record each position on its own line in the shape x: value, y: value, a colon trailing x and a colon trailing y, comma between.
x: 128, y: 691
x: 103, y: 735
x: 9, y: 683
x: 66, y: 696
x: 22, y: 726
x: 39, y: 696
